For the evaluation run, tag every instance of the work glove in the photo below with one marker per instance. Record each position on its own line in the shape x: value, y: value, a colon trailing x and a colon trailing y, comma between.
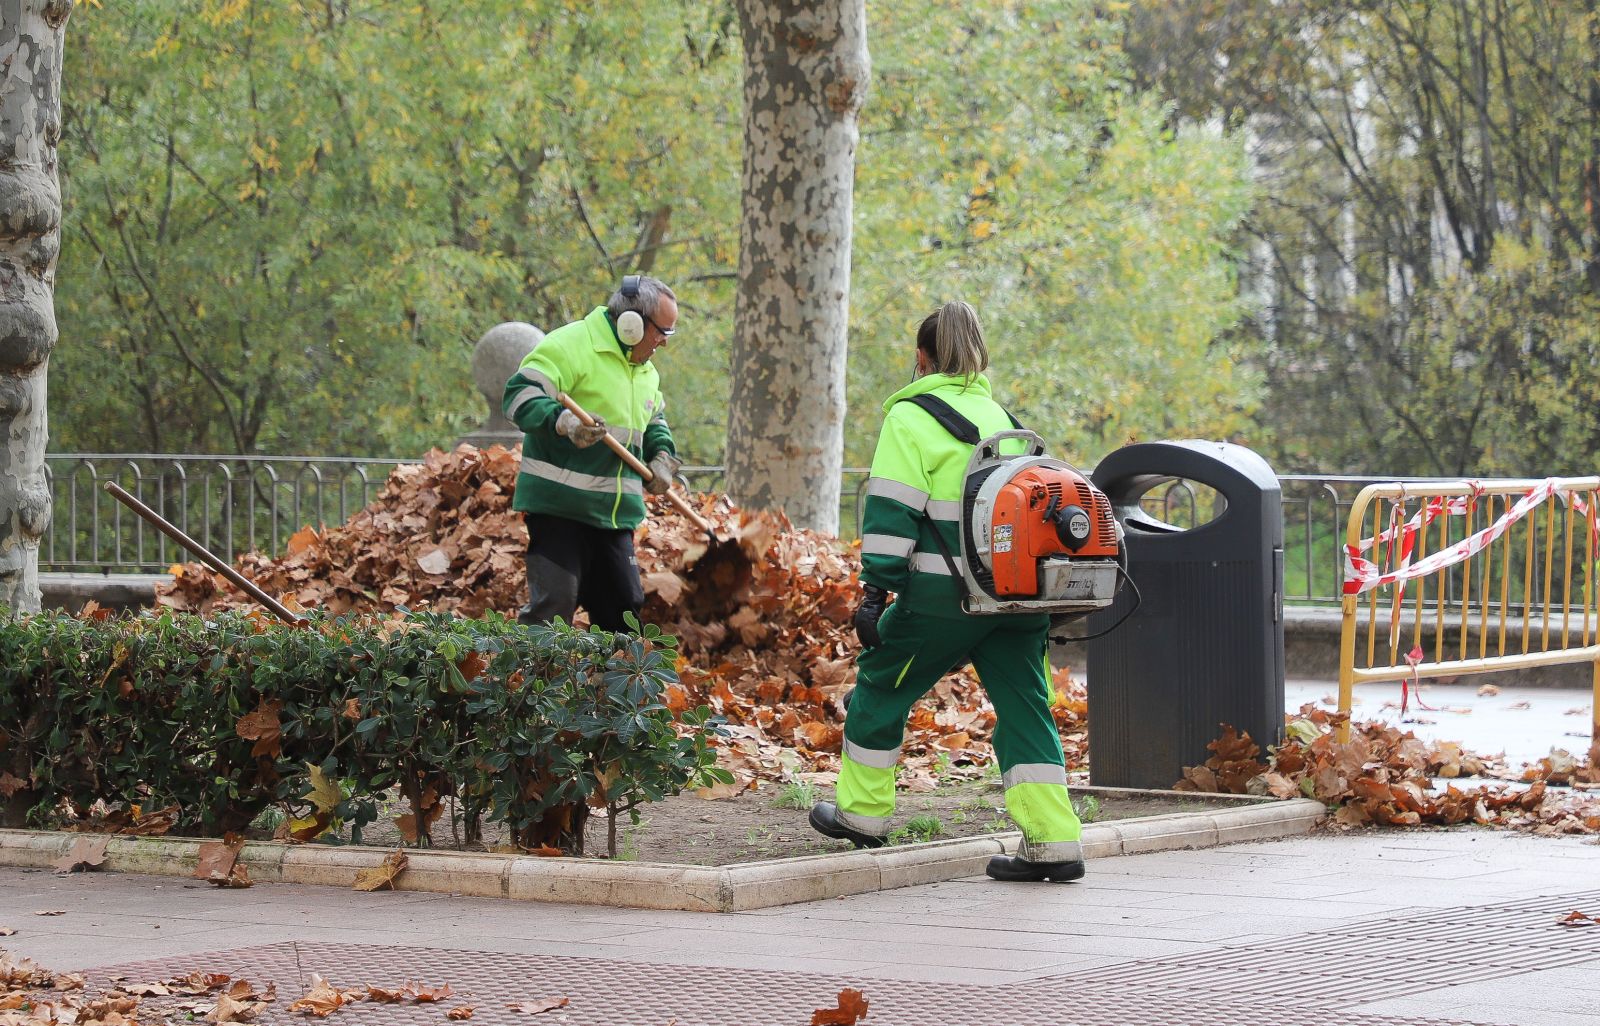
x: 663, y: 468
x: 580, y: 434
x: 868, y: 613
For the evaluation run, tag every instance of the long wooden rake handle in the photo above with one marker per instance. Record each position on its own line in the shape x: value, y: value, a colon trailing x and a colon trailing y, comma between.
x: 205, y: 555
x: 638, y: 467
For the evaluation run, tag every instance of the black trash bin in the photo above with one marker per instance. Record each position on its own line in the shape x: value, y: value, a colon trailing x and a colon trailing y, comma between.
x: 1205, y: 645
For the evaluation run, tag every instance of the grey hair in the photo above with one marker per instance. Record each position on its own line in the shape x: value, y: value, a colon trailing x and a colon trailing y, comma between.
x: 957, y: 341
x: 651, y: 292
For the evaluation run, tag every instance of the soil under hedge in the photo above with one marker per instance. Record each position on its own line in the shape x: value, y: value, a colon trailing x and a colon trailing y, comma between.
x: 762, y: 824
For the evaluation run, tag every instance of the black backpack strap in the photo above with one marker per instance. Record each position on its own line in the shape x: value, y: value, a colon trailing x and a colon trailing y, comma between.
x: 963, y: 429
x: 966, y: 431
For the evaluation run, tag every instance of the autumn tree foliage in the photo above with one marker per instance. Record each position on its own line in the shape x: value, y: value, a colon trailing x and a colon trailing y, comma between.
x: 288, y: 222
x: 1426, y: 247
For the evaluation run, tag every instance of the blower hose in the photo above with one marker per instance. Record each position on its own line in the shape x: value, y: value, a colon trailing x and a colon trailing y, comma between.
x: 1137, y: 599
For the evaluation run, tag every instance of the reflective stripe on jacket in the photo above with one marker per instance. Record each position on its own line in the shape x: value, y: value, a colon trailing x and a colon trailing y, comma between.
x: 915, y: 489
x: 593, y: 485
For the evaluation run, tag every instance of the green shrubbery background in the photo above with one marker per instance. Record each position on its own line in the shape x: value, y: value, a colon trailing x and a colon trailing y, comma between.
x: 204, y: 723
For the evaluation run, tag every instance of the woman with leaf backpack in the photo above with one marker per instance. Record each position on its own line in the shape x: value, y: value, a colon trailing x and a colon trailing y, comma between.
x: 911, y: 521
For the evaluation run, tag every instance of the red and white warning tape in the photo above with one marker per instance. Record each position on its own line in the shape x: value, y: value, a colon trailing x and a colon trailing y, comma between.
x: 1362, y: 575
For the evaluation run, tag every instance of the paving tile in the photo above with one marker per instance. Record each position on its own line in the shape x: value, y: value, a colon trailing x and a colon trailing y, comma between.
x: 1502, y: 1011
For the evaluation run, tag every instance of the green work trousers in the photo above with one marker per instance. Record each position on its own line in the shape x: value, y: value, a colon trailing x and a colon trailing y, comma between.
x: 1009, y: 654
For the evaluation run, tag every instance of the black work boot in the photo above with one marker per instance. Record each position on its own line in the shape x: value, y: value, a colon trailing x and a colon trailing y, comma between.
x: 1018, y: 869
x: 825, y: 820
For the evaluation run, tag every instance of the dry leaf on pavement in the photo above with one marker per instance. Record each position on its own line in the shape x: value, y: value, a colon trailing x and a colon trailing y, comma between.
x: 1576, y: 918
x: 852, y: 1008
x: 52, y: 912
x: 7, y: 931
x: 236, y: 877
x: 421, y: 993
x: 535, y: 1007
x: 216, y: 858
x: 383, y: 875
x: 461, y: 1012
x: 231, y: 1009
x: 86, y: 853
x: 323, y: 999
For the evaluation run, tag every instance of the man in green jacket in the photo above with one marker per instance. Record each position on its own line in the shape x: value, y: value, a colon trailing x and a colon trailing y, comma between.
x: 580, y: 501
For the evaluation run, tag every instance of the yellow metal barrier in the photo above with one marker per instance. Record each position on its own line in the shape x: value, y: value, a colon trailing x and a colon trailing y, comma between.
x: 1507, y: 567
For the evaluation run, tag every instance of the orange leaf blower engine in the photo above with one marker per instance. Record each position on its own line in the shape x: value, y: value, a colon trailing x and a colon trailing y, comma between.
x: 1036, y: 536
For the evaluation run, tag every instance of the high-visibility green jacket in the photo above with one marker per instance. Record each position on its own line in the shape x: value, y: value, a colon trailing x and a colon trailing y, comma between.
x: 586, y: 360
x: 915, y: 490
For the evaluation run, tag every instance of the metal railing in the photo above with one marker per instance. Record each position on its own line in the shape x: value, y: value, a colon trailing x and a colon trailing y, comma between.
x: 230, y: 504
x: 1466, y: 577
x: 237, y: 504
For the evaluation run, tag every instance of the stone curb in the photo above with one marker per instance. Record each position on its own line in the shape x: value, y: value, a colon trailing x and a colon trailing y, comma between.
x: 735, y: 888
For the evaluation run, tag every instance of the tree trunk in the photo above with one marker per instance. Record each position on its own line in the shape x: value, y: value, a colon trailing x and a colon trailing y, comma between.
x: 805, y: 76
x: 31, y: 34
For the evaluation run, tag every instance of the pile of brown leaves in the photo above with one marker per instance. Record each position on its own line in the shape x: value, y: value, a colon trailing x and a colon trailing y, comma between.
x: 1385, y: 777
x: 762, y: 615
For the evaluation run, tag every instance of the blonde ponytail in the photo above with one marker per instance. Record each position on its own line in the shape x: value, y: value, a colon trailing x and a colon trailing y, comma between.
x: 959, y: 348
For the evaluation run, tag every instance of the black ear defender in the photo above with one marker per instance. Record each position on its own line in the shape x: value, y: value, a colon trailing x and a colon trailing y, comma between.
x: 630, y: 326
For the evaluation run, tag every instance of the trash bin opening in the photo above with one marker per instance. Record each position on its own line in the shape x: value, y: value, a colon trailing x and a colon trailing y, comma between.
x: 1168, y: 505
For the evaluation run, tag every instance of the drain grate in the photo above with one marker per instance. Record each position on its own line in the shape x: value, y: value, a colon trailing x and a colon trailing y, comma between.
x: 611, y: 993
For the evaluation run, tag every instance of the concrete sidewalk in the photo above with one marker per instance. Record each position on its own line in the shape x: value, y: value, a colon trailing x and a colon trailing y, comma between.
x: 1370, y: 928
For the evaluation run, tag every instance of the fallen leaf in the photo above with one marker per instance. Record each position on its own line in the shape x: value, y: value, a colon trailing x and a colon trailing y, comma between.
x: 382, y: 876
x: 7, y: 931
x: 147, y: 989
x: 197, y: 983
x: 236, y: 878
x: 1576, y: 918
x: 10, y: 785
x: 852, y: 1008
x: 460, y: 1012
x: 323, y: 999
x: 719, y: 790
x: 545, y: 851
x: 1520, y: 705
x: 216, y: 858
x: 262, y: 727
x: 1488, y: 689
x: 536, y: 1007
x: 52, y: 912
x: 232, y: 1009
x: 434, y: 562
x: 85, y: 853
x: 301, y: 540
x: 421, y: 993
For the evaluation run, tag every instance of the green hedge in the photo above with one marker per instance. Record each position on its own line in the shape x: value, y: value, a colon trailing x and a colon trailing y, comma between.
x: 211, y: 721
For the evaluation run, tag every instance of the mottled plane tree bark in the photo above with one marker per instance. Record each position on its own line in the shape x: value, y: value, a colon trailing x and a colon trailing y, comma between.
x: 805, y: 77
x: 31, y: 33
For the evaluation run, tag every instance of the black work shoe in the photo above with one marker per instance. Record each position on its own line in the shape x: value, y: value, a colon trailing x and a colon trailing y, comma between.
x: 1017, y: 868
x: 825, y: 820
